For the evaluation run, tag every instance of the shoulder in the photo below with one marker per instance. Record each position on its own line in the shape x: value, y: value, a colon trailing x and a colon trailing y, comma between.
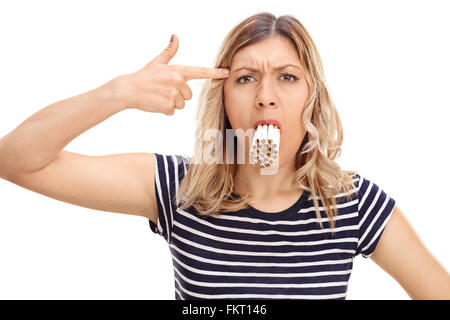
x: 172, y: 162
x: 170, y: 170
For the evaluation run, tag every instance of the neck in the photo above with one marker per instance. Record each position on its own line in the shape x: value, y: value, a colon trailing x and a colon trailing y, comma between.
x: 249, y: 180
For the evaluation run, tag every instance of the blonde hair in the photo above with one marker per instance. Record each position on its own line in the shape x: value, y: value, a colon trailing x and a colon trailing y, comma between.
x: 208, y: 187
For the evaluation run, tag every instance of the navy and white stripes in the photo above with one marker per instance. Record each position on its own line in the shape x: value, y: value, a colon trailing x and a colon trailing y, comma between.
x: 375, y: 208
x: 251, y: 254
x: 166, y: 188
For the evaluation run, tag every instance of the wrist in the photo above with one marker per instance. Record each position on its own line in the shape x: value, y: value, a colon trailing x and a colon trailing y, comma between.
x: 114, y: 92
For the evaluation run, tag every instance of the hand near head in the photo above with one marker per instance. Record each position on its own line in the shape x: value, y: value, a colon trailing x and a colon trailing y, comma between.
x: 159, y: 87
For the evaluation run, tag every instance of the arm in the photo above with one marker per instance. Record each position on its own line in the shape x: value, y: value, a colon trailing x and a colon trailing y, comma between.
x: 401, y: 253
x: 31, y: 156
x: 37, y: 141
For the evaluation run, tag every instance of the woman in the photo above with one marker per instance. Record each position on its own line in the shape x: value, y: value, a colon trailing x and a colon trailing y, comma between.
x: 234, y: 231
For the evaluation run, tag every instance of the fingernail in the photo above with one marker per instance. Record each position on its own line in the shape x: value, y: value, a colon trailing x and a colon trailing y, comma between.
x: 171, y: 38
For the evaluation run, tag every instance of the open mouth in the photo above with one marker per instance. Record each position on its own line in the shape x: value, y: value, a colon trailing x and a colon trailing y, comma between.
x: 274, y: 122
x: 264, y: 150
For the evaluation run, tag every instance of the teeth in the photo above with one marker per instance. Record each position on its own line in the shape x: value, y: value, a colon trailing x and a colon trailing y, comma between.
x: 265, y: 146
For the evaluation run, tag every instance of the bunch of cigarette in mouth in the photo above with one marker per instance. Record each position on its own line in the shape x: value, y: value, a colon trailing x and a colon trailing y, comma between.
x: 265, y: 146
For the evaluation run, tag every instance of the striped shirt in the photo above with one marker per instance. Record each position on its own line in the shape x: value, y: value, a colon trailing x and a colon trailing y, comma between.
x: 251, y: 254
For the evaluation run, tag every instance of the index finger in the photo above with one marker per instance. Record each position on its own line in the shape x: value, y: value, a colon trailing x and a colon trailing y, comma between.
x: 189, y: 72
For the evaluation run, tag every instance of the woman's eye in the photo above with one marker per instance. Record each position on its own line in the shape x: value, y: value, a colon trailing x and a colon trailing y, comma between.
x: 240, y: 78
x: 291, y: 76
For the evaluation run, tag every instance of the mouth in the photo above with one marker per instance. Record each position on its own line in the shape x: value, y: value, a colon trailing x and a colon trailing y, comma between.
x: 267, y: 122
x: 265, y: 149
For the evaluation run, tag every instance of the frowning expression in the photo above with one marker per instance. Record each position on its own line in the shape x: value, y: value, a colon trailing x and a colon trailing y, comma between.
x: 267, y: 81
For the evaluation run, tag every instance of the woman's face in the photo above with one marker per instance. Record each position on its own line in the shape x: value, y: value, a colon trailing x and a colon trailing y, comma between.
x: 266, y: 93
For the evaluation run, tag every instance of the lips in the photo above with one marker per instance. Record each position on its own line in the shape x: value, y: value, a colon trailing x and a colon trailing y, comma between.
x: 267, y: 122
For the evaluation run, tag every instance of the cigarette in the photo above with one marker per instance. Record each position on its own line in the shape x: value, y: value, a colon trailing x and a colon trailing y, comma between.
x: 264, y: 134
x: 265, y: 146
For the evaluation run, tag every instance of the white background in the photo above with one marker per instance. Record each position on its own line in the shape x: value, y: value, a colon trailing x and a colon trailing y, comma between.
x: 386, y: 64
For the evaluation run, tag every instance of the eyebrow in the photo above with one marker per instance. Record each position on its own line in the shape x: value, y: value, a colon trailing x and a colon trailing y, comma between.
x: 275, y: 68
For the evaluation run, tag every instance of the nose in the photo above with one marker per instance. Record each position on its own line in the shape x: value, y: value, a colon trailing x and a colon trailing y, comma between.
x: 266, y: 95
x: 262, y: 104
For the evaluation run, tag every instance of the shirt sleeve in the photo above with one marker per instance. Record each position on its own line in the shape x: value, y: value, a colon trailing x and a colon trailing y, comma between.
x: 169, y: 172
x: 374, y: 210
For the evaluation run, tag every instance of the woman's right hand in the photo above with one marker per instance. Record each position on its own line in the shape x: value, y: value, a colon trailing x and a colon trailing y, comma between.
x: 162, y: 88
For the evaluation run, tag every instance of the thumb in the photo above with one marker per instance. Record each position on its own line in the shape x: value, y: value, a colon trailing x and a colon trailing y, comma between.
x: 168, y: 53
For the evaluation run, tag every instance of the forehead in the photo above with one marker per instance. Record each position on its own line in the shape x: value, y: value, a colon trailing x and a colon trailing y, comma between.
x: 272, y: 51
